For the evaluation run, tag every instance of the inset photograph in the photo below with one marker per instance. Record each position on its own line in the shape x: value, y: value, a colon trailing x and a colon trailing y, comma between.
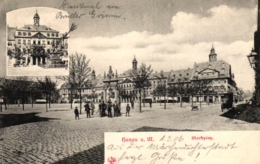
x: 37, y: 42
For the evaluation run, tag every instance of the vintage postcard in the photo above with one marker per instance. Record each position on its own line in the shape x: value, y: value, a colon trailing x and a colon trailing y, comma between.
x: 128, y: 81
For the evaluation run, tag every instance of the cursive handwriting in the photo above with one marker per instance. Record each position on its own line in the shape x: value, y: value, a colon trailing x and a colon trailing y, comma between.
x: 172, y: 156
x: 67, y: 5
x: 59, y: 15
x: 132, y: 158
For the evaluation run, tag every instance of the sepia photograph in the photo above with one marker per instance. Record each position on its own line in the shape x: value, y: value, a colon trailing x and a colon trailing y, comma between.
x: 33, y: 45
x: 128, y: 81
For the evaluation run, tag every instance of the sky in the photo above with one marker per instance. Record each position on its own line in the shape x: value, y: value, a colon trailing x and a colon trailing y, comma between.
x: 166, y: 34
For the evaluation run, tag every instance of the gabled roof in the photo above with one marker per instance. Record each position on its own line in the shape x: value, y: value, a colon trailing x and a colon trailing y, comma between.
x: 221, y: 66
x: 36, y: 28
x: 39, y: 35
x: 127, y: 80
x: 208, y: 69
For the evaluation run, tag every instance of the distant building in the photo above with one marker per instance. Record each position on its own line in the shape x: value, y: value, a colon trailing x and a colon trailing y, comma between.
x: 36, y: 45
x: 113, y: 86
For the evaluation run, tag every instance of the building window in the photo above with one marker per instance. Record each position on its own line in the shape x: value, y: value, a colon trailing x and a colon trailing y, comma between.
x: 34, y: 41
x: 24, y: 42
x: 57, y: 35
x: 52, y: 34
x: 48, y: 34
x: 19, y: 41
x: 48, y: 42
x: 39, y: 42
x: 9, y: 44
x: 24, y: 33
x: 19, y: 33
x: 29, y: 34
x: 187, y: 74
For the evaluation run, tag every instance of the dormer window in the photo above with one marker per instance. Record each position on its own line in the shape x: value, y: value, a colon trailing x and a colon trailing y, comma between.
x: 209, y: 65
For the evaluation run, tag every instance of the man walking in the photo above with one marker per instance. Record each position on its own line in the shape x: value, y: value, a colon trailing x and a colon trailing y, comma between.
x: 100, y: 108
x: 127, y: 110
x: 76, y: 111
x: 116, y: 109
x: 132, y: 103
x: 104, y: 107
x: 109, y: 109
x: 87, y: 109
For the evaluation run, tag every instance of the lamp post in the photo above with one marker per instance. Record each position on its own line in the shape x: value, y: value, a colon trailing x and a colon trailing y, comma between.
x: 253, y: 60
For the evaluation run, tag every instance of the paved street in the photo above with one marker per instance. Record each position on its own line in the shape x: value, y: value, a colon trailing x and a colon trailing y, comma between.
x: 66, y: 140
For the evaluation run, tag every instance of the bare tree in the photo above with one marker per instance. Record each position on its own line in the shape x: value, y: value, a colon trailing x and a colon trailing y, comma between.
x: 140, y: 79
x: 79, y: 73
x: 22, y: 88
x: 201, y: 87
x: 48, y: 87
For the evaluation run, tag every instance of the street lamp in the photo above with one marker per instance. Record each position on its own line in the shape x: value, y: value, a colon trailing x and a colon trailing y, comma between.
x: 253, y: 59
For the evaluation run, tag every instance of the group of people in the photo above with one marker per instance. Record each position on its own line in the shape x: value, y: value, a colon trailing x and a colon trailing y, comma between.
x: 105, y: 109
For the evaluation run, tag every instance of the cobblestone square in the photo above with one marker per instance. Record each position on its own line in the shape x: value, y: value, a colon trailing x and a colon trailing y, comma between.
x: 66, y: 140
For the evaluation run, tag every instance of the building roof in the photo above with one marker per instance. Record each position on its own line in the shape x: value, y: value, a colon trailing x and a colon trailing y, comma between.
x: 220, y: 66
x: 181, y: 76
x: 36, y: 28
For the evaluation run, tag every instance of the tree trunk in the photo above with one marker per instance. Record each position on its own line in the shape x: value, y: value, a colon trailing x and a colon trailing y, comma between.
x: 5, y: 103
x: 80, y: 100
x: 32, y: 100
x: 140, y: 101
x: 191, y: 100
x: 181, y: 100
x: 46, y: 103
x: 144, y: 99
x: 71, y: 99
x: 49, y: 100
x: 164, y: 101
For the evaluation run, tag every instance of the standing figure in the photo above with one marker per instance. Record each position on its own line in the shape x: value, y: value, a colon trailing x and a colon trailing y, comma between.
x: 76, y: 111
x: 109, y: 108
x: 87, y: 109
x: 132, y: 104
x: 150, y: 103
x: 100, y: 108
x: 104, y: 107
x: 127, y: 110
x: 116, y: 109
x: 92, y: 107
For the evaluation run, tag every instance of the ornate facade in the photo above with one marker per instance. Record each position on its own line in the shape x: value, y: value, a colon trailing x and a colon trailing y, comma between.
x: 36, y: 45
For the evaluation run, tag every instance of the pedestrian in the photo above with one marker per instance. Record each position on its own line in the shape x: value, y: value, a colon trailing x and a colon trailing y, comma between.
x: 100, y: 108
x: 116, y: 109
x: 109, y: 108
x: 104, y: 107
x: 127, y: 110
x: 87, y: 109
x: 132, y: 104
x: 76, y: 111
x: 119, y: 108
x: 92, y: 107
x: 150, y: 103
